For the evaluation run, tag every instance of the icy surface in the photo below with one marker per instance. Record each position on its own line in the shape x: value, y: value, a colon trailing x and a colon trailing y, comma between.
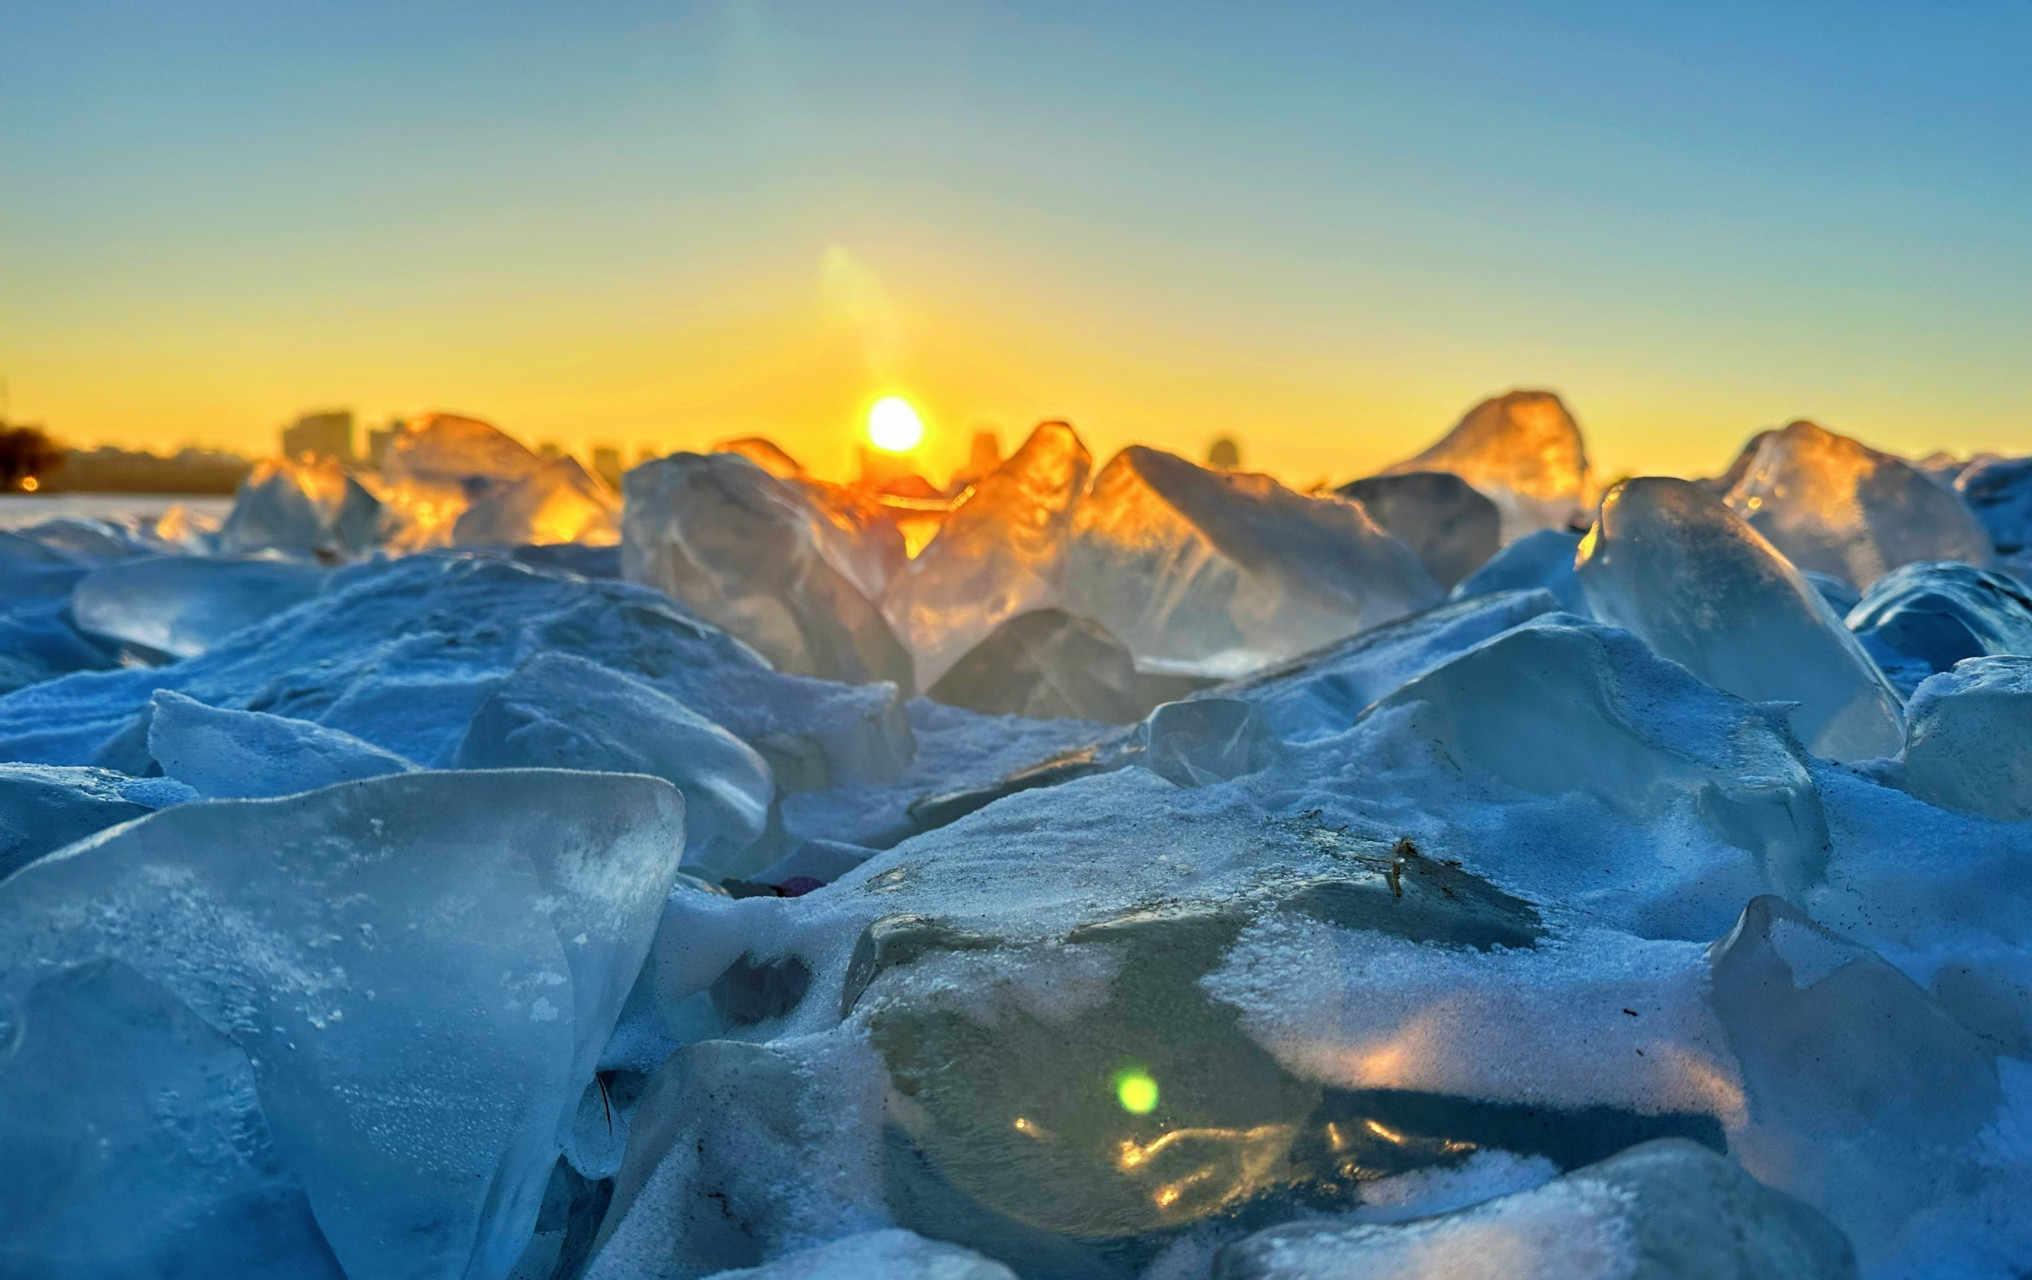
x: 181, y: 606
x: 223, y: 754
x: 1524, y: 452
x: 1230, y: 572
x: 1370, y: 939
x: 1968, y: 745
x: 420, y: 970
x: 400, y: 653
x: 759, y: 557
x: 1672, y: 564
x: 1666, y: 1210
x: 1839, y: 507
x: 1445, y: 521
x: 558, y: 711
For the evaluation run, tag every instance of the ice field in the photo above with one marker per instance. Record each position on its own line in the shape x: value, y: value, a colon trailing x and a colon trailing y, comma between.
x: 1114, y: 868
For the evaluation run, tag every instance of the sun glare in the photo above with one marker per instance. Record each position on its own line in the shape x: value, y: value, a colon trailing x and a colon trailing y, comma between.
x: 893, y: 425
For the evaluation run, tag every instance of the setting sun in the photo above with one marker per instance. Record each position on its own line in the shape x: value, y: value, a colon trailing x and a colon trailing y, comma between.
x: 893, y: 425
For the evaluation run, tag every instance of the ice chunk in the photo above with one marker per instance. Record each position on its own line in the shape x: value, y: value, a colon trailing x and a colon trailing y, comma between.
x: 401, y: 652
x: 1523, y: 451
x: 1837, y: 506
x: 1541, y: 561
x: 44, y: 808
x: 301, y: 504
x: 749, y: 553
x: 1045, y: 664
x: 1665, y: 1210
x: 30, y: 570
x: 1447, y: 523
x: 557, y: 502
x: 764, y: 453
x: 439, y: 956
x: 1840, y: 596
x: 1999, y: 491
x: 1324, y: 693
x: 891, y: 1254
x: 38, y: 642
x: 1228, y: 571
x: 224, y: 754
x: 1935, y: 613
x: 560, y: 711
x: 1968, y: 743
x: 1861, y: 1087
x: 1205, y: 740
x: 999, y: 554
x: 136, y: 1145
x: 1672, y: 564
x: 183, y: 605
x: 465, y: 453
x: 1555, y: 707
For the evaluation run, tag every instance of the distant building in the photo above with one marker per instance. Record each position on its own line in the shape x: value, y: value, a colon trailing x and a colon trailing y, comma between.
x: 549, y: 449
x: 327, y: 435
x: 986, y: 453
x: 1224, y: 454
x: 607, y: 464
x: 378, y: 440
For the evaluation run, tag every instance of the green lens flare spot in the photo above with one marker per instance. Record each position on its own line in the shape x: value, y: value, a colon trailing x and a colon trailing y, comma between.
x: 1136, y: 1091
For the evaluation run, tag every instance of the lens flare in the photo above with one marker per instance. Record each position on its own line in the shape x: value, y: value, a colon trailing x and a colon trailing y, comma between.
x: 894, y: 426
x: 1136, y: 1091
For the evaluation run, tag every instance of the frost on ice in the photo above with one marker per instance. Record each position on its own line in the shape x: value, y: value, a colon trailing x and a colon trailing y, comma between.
x: 455, y: 870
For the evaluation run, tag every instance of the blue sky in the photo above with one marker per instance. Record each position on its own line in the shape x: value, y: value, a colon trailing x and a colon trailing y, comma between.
x: 1327, y: 229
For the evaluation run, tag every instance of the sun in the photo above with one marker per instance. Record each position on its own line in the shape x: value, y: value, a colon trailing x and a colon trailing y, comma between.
x: 894, y: 426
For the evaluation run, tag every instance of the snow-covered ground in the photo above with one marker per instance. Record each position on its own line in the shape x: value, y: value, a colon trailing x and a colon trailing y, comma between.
x: 463, y: 870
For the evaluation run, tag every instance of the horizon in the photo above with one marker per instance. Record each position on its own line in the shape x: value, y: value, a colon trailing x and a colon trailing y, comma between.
x: 1325, y: 234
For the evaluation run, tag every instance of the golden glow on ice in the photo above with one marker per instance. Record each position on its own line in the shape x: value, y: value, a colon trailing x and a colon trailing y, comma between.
x: 894, y: 426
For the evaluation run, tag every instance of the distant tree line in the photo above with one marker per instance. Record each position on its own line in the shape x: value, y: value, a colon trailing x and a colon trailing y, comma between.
x: 26, y: 452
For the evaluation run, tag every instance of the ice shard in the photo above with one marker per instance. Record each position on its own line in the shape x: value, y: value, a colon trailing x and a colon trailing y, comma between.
x: 136, y: 1145
x: 1837, y: 506
x: 1860, y: 1087
x: 1968, y: 742
x: 1045, y: 664
x: 401, y: 652
x: 1523, y: 451
x: 180, y: 606
x: 1225, y: 573
x: 1000, y: 553
x: 1664, y: 1210
x: 224, y: 754
x: 891, y: 1254
x: 1447, y: 522
x: 558, y: 502
x: 1536, y: 561
x: 420, y: 969
x: 304, y: 505
x: 45, y: 807
x: 1999, y: 491
x: 1931, y: 614
x: 750, y: 553
x: 559, y: 711
x: 1671, y: 563
x: 438, y: 465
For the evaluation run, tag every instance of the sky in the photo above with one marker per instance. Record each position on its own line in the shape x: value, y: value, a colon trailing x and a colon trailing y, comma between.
x: 1324, y: 230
